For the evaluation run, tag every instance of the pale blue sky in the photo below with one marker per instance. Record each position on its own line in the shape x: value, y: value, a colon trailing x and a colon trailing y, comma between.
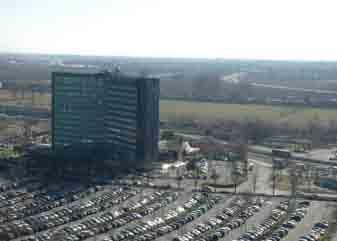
x: 258, y: 29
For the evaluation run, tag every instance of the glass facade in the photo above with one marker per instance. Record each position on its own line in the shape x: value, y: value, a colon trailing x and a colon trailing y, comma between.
x: 121, y: 112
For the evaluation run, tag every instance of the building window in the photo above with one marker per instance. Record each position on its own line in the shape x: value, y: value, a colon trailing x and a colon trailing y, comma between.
x: 66, y: 108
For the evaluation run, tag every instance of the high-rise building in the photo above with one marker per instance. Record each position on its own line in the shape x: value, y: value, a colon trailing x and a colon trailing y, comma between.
x: 118, y: 112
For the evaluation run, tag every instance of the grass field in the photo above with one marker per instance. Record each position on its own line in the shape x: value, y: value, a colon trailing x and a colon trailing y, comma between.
x: 174, y: 110
x: 28, y: 98
x: 295, y: 116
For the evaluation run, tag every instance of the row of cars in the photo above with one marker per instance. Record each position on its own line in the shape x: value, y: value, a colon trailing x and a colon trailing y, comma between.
x: 317, y: 233
x: 274, y: 222
x: 291, y: 223
x: 173, y: 219
x: 38, y: 215
x: 9, y: 186
x: 16, y: 184
x: 110, y: 220
x: 178, y: 222
x: 259, y: 231
x: 78, y: 210
x: 46, y: 200
x: 230, y: 219
x: 212, y: 222
x: 14, y: 196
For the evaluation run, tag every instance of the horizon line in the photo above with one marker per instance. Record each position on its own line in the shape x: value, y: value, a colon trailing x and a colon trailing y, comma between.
x: 168, y: 57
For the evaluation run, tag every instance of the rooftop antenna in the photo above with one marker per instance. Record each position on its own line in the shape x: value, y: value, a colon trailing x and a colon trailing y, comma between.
x: 116, y: 69
x: 107, y: 67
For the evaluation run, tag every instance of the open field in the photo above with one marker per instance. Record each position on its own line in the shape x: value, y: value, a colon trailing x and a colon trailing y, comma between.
x: 24, y: 98
x: 295, y: 116
x: 175, y: 110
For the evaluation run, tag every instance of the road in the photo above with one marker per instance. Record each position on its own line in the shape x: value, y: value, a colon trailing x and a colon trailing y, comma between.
x: 322, y: 155
x: 317, y: 91
x: 318, y: 156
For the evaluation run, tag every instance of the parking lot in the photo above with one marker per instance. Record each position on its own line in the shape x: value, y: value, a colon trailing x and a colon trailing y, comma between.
x: 128, y: 210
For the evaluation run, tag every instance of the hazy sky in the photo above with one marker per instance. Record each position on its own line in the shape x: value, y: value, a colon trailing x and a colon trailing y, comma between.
x: 262, y: 29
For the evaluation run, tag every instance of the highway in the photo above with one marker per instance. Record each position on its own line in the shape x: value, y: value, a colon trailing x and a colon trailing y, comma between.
x: 317, y: 91
x: 317, y: 156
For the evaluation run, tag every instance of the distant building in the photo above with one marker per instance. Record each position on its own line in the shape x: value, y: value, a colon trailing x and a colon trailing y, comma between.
x: 103, y: 109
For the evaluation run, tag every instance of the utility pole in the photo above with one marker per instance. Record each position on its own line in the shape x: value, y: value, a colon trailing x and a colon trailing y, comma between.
x: 293, y: 175
x: 196, y: 177
x: 274, y: 178
x: 33, y: 96
x: 215, y: 177
x: 254, y: 179
x: 308, y: 177
x: 178, y: 177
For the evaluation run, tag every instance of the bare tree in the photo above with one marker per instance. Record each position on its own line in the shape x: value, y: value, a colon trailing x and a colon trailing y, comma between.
x: 254, y: 178
x: 233, y: 175
x: 179, y: 178
x: 293, y: 181
x: 308, y: 177
x: 215, y: 176
x: 315, y: 130
x: 33, y: 97
x: 294, y: 185
x: 274, y: 177
x: 22, y: 94
x: 316, y: 176
x: 235, y: 180
x: 196, y: 177
x: 243, y: 154
x: 27, y: 130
